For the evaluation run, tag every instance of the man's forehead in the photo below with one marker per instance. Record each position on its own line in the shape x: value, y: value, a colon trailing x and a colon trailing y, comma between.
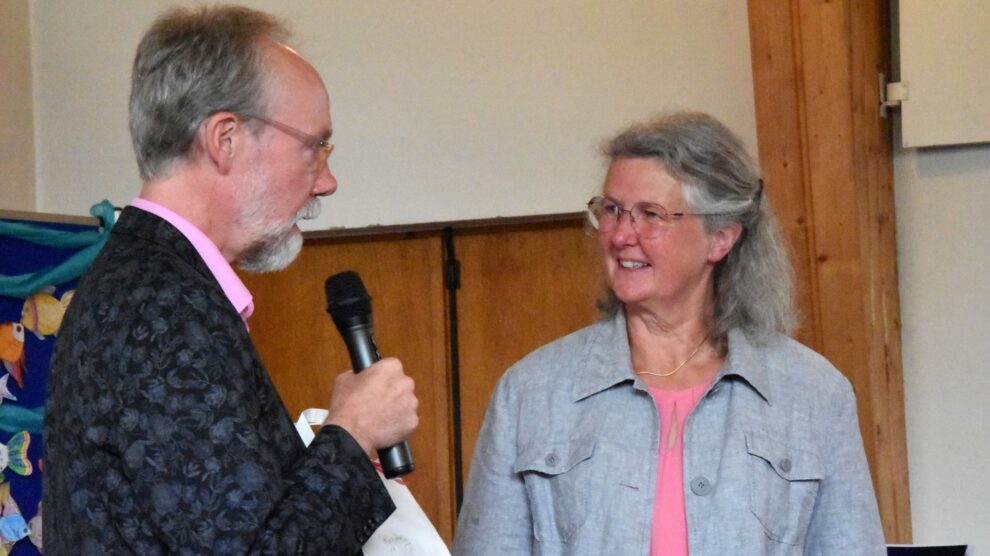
x: 293, y: 84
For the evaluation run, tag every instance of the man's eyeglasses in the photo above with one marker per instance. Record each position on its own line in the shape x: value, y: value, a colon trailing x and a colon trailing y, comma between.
x: 322, y: 147
x: 648, y: 219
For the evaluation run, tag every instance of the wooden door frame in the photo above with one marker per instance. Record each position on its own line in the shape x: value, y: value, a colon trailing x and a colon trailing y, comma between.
x: 827, y: 159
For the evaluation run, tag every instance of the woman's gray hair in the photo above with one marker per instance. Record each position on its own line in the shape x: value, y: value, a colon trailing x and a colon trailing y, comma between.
x: 191, y: 64
x: 753, y: 286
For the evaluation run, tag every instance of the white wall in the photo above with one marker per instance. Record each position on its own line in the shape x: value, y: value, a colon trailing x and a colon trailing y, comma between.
x: 942, y: 198
x: 442, y: 110
x: 943, y: 205
x: 17, y: 181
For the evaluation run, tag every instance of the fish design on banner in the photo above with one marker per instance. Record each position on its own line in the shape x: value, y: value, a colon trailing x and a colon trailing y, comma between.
x: 12, y: 349
x: 42, y: 313
x: 12, y: 525
x: 14, y: 455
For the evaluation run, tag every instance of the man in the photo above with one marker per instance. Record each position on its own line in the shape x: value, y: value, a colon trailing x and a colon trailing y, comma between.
x: 163, y: 431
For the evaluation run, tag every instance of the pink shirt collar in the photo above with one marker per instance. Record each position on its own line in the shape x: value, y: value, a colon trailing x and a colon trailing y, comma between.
x: 235, y: 290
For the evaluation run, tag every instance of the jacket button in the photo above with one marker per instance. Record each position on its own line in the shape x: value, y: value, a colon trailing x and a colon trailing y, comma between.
x: 551, y: 460
x: 701, y: 486
x: 785, y: 465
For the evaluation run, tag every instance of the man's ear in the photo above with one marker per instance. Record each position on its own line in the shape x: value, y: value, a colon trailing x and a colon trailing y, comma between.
x: 219, y: 139
x: 722, y: 240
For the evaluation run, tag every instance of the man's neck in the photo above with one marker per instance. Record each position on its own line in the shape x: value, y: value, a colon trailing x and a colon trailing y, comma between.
x: 198, y: 200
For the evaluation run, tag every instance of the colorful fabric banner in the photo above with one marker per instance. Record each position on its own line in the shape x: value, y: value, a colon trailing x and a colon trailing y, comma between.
x: 40, y: 264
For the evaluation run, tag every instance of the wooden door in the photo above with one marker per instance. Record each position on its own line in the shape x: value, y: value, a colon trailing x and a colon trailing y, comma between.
x: 520, y: 288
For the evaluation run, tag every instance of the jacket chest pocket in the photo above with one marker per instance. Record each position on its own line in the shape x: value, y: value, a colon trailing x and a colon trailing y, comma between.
x: 561, y: 484
x: 783, y: 486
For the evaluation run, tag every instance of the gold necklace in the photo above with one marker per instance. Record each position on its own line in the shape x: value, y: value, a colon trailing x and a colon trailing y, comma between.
x: 677, y: 368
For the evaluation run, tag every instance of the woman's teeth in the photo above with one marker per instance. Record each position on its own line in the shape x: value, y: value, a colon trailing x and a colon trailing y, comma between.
x: 632, y: 264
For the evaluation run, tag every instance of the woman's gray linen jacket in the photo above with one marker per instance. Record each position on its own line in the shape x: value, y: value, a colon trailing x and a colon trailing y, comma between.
x: 566, y: 461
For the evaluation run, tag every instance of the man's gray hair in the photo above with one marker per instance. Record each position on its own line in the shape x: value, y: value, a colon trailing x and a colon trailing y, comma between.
x: 191, y: 64
x: 753, y: 285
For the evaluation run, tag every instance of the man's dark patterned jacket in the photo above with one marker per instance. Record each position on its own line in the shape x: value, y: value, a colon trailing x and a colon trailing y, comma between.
x: 164, y: 434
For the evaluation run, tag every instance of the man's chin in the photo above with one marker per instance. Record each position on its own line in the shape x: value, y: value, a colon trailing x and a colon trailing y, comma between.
x: 272, y: 254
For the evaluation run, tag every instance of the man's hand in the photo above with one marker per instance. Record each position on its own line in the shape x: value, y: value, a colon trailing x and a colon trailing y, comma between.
x: 376, y: 406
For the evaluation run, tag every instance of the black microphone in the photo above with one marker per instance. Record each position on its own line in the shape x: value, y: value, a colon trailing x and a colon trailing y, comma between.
x: 349, y: 306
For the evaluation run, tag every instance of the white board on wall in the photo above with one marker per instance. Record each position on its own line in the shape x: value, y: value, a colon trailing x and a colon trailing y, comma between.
x: 944, y: 53
x: 443, y: 110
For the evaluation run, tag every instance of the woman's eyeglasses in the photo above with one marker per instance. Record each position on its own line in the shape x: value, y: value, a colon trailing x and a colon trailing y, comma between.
x: 648, y: 219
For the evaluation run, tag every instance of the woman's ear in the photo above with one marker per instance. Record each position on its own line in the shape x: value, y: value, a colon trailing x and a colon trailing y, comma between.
x: 722, y: 241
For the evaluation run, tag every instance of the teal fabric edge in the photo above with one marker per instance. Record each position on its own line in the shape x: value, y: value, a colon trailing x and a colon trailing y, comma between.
x: 14, y: 419
x: 23, y: 285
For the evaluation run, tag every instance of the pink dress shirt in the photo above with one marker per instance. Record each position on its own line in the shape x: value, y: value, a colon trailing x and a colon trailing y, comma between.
x: 230, y: 283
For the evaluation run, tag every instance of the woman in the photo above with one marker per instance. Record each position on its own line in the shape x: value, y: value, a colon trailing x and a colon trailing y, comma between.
x: 686, y: 421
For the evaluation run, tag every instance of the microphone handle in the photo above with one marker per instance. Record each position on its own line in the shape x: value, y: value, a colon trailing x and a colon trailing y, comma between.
x: 396, y: 460
x: 361, y: 347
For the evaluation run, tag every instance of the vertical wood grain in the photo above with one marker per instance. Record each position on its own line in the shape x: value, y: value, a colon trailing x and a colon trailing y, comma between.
x: 873, y: 157
x: 520, y: 288
x: 815, y: 66
x: 780, y: 118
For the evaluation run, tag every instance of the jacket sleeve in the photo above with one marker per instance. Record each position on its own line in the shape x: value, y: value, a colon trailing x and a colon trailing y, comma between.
x: 845, y: 519
x: 495, y: 516
x: 210, y: 461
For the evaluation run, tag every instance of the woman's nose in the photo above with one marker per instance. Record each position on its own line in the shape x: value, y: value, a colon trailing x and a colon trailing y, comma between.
x: 625, y: 231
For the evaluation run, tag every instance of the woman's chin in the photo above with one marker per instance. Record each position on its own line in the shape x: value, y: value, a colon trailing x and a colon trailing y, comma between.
x: 630, y: 296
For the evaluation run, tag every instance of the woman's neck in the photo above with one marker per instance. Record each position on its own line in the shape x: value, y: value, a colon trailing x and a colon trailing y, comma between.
x: 670, y: 352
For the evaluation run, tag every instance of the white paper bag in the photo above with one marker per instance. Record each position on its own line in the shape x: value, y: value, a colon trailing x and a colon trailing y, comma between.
x: 407, y: 532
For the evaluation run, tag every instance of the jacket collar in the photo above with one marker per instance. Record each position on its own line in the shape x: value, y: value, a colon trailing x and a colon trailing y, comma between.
x: 143, y: 225
x: 747, y: 362
x: 607, y: 361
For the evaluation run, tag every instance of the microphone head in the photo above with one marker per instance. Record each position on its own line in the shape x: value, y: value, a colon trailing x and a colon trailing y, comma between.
x: 348, y: 301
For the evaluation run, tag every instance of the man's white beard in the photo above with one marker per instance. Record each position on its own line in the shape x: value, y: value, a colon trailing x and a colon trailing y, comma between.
x: 277, y: 248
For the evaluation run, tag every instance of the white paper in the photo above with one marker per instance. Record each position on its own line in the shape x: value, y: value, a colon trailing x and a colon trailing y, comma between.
x: 408, y: 531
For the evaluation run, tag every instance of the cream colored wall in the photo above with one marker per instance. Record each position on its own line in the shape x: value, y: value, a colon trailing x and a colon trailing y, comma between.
x: 943, y: 203
x: 442, y: 110
x: 942, y: 198
x: 17, y: 180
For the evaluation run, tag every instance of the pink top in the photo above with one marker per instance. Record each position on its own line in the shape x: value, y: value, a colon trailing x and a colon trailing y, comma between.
x: 669, y: 533
x: 232, y: 287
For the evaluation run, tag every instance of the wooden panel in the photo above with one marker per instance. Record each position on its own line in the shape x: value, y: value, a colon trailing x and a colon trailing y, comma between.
x: 873, y: 160
x: 303, y: 352
x: 519, y: 290
x: 833, y: 185
x: 815, y: 67
x: 782, y: 157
